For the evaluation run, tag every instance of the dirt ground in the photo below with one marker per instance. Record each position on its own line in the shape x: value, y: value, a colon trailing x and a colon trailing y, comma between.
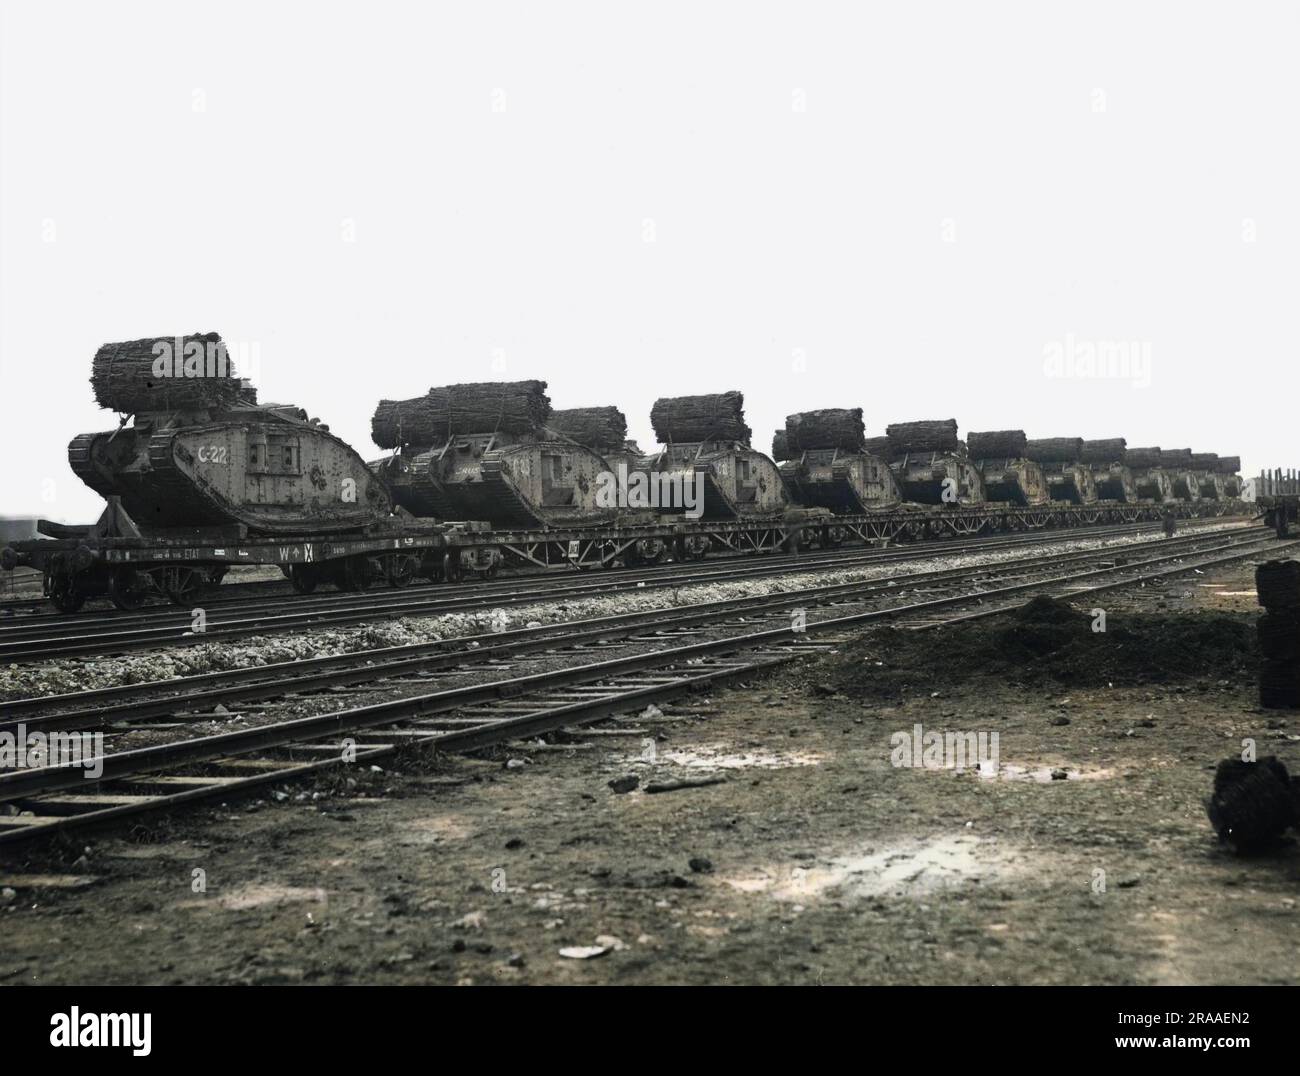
x: 1086, y: 857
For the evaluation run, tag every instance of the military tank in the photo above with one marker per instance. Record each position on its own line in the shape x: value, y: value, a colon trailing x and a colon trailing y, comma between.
x: 483, y: 451
x: 706, y: 468
x: 1151, y: 481
x: 1009, y: 478
x: 1227, y: 468
x: 823, y: 462
x: 930, y: 464
x: 1068, y: 479
x: 1209, y: 482
x: 200, y: 451
x: 1177, y: 463
x: 1107, y: 458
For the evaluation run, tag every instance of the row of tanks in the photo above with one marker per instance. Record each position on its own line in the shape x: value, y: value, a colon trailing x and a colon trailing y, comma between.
x: 195, y: 449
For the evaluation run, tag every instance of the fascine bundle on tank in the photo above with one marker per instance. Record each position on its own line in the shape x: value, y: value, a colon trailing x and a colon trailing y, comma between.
x: 709, y: 417
x: 168, y: 373
x: 601, y: 428
x: 996, y: 444
x: 829, y: 427
x: 517, y: 407
x: 780, y: 446
x: 1105, y: 450
x: 926, y: 435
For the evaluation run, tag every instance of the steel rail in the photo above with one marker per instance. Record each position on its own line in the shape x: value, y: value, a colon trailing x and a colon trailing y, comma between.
x: 100, y: 706
x: 772, y: 646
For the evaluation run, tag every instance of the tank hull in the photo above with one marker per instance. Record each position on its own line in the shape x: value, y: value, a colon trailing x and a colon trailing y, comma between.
x: 1115, y: 483
x: 1186, y: 486
x: 1013, y: 481
x: 844, y: 482
x: 1212, y: 486
x: 1070, y: 483
x: 734, y: 480
x: 1153, y: 484
x: 273, y: 477
x: 505, y: 481
x: 938, y: 478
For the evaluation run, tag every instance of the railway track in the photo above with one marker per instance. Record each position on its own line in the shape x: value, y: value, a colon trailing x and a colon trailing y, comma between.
x: 51, y: 799
x: 45, y: 637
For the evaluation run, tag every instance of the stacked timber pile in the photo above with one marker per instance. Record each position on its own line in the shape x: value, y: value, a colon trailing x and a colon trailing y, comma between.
x: 780, y: 447
x: 929, y: 435
x: 475, y: 407
x: 1204, y: 461
x: 877, y: 446
x: 1175, y: 457
x: 1143, y: 457
x: 1228, y: 464
x: 715, y: 417
x: 1106, y: 450
x: 601, y: 428
x: 1253, y: 802
x: 830, y: 427
x: 996, y: 444
x: 1054, y: 449
x: 1277, y: 584
x: 401, y: 422
x: 164, y: 373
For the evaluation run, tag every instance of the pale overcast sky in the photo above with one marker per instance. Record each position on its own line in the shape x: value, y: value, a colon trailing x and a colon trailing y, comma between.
x: 905, y: 207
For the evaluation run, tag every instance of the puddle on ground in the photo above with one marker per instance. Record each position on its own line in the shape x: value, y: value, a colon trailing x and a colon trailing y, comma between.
x: 430, y: 830
x: 1046, y: 775
x: 245, y: 897
x: 910, y: 868
x: 1015, y: 771
x: 720, y: 757
x: 165, y: 850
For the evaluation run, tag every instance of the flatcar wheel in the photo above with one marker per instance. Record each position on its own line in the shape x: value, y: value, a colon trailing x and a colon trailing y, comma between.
x: 127, y: 588
x: 401, y: 569
x: 451, y: 567
x: 488, y: 573
x: 303, y: 578
x: 65, y: 595
x: 183, y: 585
